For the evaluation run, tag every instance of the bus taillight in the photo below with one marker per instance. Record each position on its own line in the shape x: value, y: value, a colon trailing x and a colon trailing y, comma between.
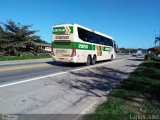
x: 73, y: 51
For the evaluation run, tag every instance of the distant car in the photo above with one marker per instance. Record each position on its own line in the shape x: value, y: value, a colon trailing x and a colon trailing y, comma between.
x: 134, y: 54
x: 139, y: 53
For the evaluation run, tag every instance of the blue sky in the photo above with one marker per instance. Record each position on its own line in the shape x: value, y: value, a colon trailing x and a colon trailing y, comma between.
x: 133, y: 23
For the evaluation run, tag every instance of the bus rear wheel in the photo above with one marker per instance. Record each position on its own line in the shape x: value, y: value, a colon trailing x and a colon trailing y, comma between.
x: 93, y: 60
x: 88, y: 60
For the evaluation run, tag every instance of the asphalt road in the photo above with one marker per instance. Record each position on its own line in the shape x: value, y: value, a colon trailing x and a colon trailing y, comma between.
x: 14, y: 71
x: 58, y: 88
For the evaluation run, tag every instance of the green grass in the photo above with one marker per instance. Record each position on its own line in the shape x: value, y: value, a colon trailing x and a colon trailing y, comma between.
x: 139, y: 94
x: 9, y: 58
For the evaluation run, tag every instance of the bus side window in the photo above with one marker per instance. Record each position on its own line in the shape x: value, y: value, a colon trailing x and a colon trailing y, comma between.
x: 110, y: 42
x: 89, y: 37
x: 102, y: 40
x: 81, y: 34
x: 98, y: 39
x: 106, y: 41
x: 86, y: 36
x: 93, y: 38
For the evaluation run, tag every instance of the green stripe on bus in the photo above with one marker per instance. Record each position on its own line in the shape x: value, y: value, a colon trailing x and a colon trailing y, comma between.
x: 81, y: 46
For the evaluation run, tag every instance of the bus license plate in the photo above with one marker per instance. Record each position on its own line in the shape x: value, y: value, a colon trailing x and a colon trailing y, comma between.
x: 61, y: 51
x: 61, y: 58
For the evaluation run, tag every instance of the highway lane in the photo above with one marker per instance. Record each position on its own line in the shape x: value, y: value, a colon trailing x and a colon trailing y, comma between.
x: 22, y: 71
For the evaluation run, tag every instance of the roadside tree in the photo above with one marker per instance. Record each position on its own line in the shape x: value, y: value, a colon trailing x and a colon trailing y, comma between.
x: 17, y: 39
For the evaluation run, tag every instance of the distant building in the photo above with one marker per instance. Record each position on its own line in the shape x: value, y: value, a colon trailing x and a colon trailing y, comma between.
x: 46, y: 47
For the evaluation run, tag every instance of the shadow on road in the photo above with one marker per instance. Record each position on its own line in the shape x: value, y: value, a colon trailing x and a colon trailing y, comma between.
x: 94, y: 81
x: 72, y: 64
x: 65, y: 64
x: 90, y: 82
x: 136, y: 59
x: 134, y: 66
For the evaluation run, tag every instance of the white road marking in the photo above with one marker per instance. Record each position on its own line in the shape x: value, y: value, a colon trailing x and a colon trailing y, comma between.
x: 55, y: 74
x: 83, y: 112
x: 90, y: 107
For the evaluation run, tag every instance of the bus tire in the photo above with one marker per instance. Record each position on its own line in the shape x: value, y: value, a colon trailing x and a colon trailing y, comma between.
x: 111, y: 57
x: 88, y: 60
x: 94, y: 60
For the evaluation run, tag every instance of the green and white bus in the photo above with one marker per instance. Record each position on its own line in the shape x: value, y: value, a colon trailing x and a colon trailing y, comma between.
x: 77, y: 44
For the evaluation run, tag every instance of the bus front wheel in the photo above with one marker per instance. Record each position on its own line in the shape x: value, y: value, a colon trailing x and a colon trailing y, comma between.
x: 111, y: 57
x: 88, y: 60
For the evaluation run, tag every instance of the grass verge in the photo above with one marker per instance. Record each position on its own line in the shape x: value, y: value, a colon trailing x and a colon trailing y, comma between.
x: 9, y: 58
x: 137, y: 97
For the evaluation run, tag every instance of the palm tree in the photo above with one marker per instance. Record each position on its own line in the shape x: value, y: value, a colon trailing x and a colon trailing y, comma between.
x: 157, y: 39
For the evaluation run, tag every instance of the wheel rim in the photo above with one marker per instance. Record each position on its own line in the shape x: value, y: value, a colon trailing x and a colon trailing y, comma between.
x: 94, y: 60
